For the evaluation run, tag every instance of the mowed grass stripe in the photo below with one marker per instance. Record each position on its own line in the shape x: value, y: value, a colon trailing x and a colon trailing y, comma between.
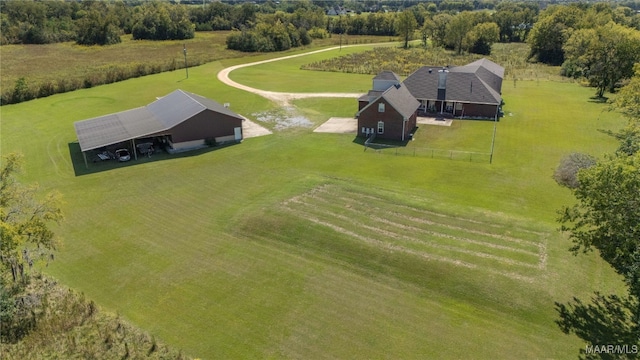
x: 486, y: 249
x: 427, y: 256
x: 471, y: 223
x: 428, y: 249
x: 321, y: 197
x: 376, y: 242
x: 422, y: 220
x: 491, y: 240
x: 400, y: 237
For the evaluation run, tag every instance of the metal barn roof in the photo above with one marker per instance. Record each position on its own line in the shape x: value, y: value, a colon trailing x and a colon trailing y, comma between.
x: 161, y: 115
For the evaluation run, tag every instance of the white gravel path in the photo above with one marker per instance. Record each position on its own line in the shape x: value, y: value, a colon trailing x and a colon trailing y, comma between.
x: 282, y: 98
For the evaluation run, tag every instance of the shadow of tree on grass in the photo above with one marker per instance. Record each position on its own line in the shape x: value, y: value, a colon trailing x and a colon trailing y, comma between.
x: 607, y: 320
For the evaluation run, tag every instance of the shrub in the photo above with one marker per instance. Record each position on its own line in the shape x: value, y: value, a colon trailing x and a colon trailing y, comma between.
x: 566, y: 173
x: 21, y: 91
x: 46, y: 88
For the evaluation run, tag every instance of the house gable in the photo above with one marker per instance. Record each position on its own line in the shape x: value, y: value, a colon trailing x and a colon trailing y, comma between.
x: 394, y: 111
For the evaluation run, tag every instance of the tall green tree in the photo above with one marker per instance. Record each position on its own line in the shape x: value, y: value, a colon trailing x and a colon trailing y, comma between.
x: 606, y: 218
x: 515, y: 19
x: 25, y: 235
x: 161, y: 21
x: 481, y: 37
x: 436, y: 28
x: 458, y: 28
x: 406, y: 25
x: 628, y: 99
x: 96, y: 28
x: 550, y: 32
x: 604, y: 55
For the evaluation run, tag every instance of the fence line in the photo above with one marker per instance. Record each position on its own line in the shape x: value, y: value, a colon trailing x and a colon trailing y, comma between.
x: 460, y: 155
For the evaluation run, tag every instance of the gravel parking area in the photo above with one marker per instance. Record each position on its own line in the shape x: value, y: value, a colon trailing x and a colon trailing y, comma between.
x: 336, y: 125
x: 251, y: 129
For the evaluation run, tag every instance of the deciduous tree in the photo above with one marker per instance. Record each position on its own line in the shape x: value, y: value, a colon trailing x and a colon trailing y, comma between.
x: 552, y: 29
x: 436, y: 28
x: 628, y: 99
x: 607, y: 216
x: 160, y: 21
x: 458, y: 28
x: 406, y: 24
x: 96, y: 28
x: 604, y: 55
x: 481, y: 37
x: 25, y: 236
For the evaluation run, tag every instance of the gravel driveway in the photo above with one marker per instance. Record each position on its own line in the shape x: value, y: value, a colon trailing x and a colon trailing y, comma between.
x: 282, y: 98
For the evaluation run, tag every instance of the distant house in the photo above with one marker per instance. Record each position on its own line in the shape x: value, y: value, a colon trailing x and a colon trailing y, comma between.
x: 338, y: 10
x: 469, y: 91
x: 389, y: 110
x: 179, y: 121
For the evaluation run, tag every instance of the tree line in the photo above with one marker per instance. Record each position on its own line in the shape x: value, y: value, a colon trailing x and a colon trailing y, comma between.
x: 91, y: 22
x: 600, y: 42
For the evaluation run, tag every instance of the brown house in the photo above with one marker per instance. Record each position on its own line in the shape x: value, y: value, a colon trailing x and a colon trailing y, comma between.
x: 180, y: 120
x: 389, y: 111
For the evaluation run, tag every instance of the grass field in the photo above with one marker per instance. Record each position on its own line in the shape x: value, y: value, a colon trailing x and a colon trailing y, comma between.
x: 51, y: 63
x: 302, y: 245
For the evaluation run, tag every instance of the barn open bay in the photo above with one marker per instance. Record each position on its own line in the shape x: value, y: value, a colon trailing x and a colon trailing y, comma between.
x: 299, y: 244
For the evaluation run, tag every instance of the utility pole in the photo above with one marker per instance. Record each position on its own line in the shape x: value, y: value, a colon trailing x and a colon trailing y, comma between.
x: 341, y: 30
x: 186, y: 67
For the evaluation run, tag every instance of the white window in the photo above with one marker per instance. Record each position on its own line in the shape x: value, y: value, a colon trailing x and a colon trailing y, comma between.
x: 381, y: 107
x: 380, y: 127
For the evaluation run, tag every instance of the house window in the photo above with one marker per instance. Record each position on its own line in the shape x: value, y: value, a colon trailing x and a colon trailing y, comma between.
x: 380, y: 127
x: 381, y: 107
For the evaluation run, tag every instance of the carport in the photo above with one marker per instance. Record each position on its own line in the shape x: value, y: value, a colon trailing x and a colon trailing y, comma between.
x: 186, y: 120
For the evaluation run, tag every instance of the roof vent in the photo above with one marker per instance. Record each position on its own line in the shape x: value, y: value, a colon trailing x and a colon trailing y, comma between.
x: 430, y: 71
x: 226, y: 105
x: 397, y: 86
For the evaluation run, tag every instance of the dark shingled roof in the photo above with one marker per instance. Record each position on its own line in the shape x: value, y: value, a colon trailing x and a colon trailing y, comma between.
x: 400, y: 99
x: 387, y: 75
x: 370, y: 96
x: 161, y: 115
x: 478, y: 82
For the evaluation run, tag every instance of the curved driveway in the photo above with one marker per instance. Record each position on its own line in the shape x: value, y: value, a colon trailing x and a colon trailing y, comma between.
x: 281, y: 97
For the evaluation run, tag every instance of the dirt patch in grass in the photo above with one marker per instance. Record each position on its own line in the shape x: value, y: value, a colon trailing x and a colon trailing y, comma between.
x: 283, y: 118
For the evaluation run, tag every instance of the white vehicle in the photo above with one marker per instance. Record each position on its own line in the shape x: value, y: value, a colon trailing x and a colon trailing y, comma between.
x: 123, y: 155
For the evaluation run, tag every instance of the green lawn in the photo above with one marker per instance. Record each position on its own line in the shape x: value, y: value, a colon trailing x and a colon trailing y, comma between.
x: 302, y: 245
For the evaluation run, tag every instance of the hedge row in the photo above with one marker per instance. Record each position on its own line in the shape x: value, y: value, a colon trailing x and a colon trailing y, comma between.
x: 25, y: 91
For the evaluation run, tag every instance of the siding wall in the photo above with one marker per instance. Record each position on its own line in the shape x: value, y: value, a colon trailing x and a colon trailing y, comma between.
x: 480, y: 110
x: 392, y: 122
x: 208, y: 124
